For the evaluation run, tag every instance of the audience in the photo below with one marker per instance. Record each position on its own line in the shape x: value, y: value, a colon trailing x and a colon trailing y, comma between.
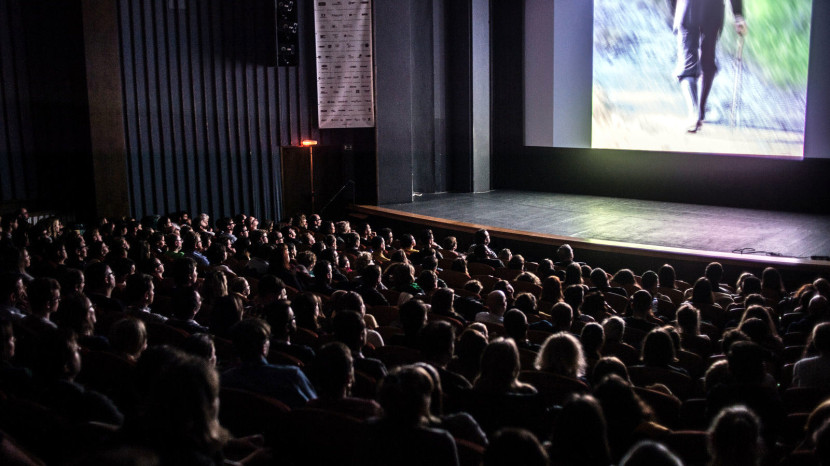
x: 172, y: 414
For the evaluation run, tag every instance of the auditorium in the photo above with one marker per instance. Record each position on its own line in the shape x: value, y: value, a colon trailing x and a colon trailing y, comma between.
x: 541, y: 232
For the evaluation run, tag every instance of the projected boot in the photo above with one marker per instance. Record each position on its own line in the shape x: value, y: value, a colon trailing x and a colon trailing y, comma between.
x: 689, y: 86
x: 705, y: 87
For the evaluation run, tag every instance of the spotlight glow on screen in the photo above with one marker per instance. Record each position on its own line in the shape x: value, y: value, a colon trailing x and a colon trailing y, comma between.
x: 758, y: 96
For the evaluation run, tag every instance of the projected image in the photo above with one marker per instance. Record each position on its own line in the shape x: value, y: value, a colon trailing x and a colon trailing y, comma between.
x: 694, y: 76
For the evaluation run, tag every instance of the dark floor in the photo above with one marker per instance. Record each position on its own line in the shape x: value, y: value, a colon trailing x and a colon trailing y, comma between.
x: 646, y: 223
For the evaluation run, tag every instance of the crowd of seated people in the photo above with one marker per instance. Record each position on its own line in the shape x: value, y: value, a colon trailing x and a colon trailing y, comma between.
x: 177, y: 341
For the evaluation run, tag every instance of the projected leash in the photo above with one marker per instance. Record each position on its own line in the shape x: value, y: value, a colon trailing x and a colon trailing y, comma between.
x: 737, y: 87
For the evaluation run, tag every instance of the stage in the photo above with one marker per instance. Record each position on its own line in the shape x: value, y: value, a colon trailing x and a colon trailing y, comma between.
x: 662, y: 231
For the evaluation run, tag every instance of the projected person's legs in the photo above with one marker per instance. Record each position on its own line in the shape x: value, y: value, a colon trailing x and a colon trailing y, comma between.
x: 688, y: 70
x: 710, y: 29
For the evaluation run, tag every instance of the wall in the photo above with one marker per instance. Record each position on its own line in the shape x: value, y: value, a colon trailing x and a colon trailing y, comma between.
x: 17, y: 171
x: 205, y: 117
x: 44, y: 132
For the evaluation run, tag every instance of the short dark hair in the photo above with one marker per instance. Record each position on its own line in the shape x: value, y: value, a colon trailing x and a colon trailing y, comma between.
x: 333, y: 368
x: 649, y: 279
x: 270, y: 284
x: 348, y: 328
x: 40, y: 291
x: 138, y: 284
x: 437, y: 340
x: 249, y: 337
x: 181, y: 269
x: 200, y: 345
x: 348, y: 300
x: 184, y: 303
x: 442, y: 300
x: 95, y: 274
x: 413, y: 315
x: 277, y: 315
x: 515, y: 324
x: 658, y: 348
x: 641, y: 301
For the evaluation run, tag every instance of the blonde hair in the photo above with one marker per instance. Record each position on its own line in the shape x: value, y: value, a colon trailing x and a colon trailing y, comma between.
x: 561, y: 354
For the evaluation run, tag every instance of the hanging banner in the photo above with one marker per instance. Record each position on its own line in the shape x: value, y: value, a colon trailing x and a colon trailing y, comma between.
x: 345, y: 77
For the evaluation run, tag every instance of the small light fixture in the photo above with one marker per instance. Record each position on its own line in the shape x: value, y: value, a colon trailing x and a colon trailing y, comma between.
x: 309, y: 142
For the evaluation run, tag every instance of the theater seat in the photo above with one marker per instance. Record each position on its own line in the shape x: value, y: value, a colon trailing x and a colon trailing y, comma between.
x: 365, y: 386
x: 385, y: 315
x: 803, y: 399
x: 487, y: 281
x: 554, y: 389
x: 679, y: 384
x: 693, y: 414
x: 494, y: 412
x: 284, y: 359
x: 163, y: 334
x: 394, y: 355
x: 305, y: 337
x: 617, y: 301
x: 247, y: 413
x: 527, y: 287
x: 469, y: 453
x: 665, y: 407
x: 319, y: 437
x: 690, y: 445
x: 476, y: 268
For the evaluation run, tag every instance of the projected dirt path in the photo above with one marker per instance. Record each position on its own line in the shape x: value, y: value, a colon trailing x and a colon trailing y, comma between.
x: 638, y: 104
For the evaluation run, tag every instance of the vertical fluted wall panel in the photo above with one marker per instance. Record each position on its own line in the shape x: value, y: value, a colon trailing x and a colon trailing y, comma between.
x: 205, y: 112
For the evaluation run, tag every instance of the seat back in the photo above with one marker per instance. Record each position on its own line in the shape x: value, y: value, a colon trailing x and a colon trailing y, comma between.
x: 469, y: 453
x: 385, y: 315
x: 107, y: 373
x: 248, y: 413
x: 554, y: 389
x: 365, y: 386
x: 394, y: 355
x: 453, y: 278
x: 319, y: 437
x: 665, y: 407
x: 163, y: 334
x: 496, y: 411
x: 690, y: 445
x: 634, y: 337
x: 679, y: 384
x: 283, y: 359
x: 617, y: 301
x: 522, y: 286
x: 495, y: 329
x: 487, y: 281
x: 803, y: 399
x: 693, y: 414
x: 306, y: 337
x: 506, y: 274
x: 476, y: 268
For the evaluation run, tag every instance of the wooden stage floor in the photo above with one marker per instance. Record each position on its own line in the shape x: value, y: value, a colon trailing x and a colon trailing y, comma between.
x: 661, y: 229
